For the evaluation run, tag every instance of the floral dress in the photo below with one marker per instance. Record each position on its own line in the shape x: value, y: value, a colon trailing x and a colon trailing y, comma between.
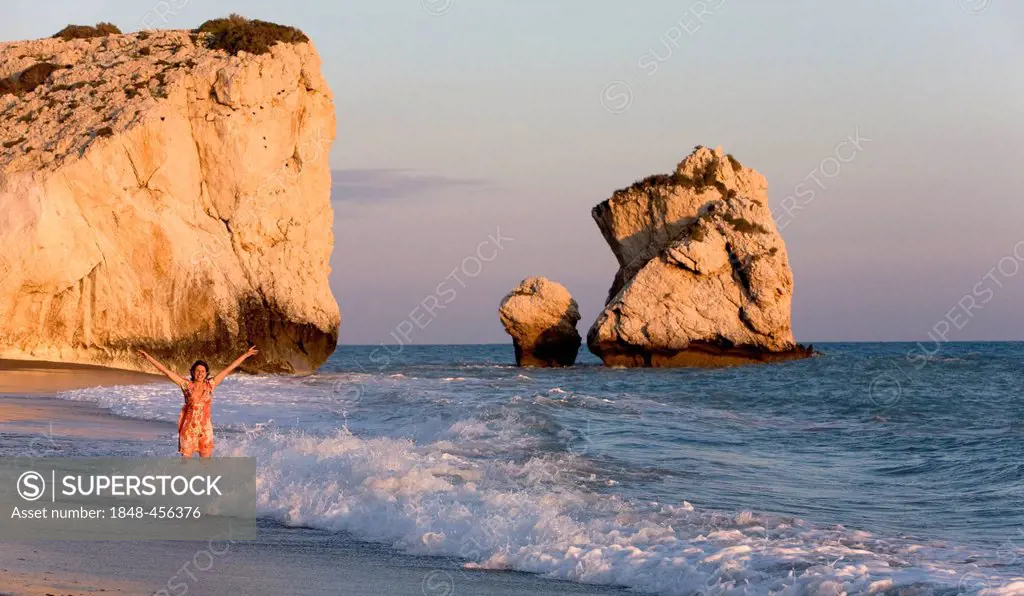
x: 195, y: 425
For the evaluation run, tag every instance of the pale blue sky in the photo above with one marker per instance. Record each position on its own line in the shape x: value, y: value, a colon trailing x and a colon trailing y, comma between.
x: 490, y: 117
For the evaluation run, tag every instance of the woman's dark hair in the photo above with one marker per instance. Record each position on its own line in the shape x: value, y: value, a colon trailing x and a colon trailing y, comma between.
x: 201, y: 363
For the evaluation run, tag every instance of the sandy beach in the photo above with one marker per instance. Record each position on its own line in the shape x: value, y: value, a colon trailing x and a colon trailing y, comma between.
x: 27, y: 570
x: 24, y: 377
x: 284, y: 560
x: 44, y: 424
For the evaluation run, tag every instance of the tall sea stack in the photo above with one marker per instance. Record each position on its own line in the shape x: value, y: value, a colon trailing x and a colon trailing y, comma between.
x: 703, y: 276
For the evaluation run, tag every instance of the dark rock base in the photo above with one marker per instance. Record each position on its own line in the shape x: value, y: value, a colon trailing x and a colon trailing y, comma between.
x: 284, y: 346
x: 697, y: 355
x: 549, y: 354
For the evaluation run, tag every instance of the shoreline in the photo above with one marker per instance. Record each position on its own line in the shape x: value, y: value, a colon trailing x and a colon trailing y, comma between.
x: 29, y: 407
x: 28, y: 404
x: 32, y: 377
x: 282, y: 560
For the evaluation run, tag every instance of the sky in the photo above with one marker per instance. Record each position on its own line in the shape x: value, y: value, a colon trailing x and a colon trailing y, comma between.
x: 475, y: 136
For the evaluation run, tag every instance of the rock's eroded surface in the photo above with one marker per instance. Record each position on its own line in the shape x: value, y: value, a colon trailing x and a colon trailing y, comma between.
x: 158, y: 194
x: 704, y: 279
x: 541, y: 317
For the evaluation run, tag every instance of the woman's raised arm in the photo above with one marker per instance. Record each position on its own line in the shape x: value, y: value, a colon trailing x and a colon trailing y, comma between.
x: 170, y: 374
x: 252, y: 351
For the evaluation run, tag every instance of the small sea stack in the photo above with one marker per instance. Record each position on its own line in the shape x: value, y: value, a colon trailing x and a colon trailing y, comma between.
x: 703, y: 275
x: 541, y: 317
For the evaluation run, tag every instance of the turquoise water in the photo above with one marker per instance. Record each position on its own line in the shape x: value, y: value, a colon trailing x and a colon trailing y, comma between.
x: 867, y: 469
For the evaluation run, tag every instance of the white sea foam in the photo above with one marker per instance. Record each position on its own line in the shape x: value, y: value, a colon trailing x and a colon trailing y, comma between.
x: 241, y: 402
x: 155, y: 401
x: 535, y: 517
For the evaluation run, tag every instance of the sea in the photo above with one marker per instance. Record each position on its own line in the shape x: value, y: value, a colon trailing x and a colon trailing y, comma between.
x: 880, y: 468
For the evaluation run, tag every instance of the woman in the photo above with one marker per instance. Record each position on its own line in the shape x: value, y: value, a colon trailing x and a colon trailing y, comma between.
x: 195, y: 426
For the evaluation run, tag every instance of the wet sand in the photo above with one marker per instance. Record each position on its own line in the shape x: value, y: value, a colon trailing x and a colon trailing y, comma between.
x: 27, y: 404
x: 282, y: 561
x: 28, y: 408
x: 24, y: 377
x: 26, y: 570
x: 47, y: 416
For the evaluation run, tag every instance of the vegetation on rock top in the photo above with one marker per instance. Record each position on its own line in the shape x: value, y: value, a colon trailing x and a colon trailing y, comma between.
x: 656, y: 181
x: 705, y: 179
x: 661, y: 181
x: 236, y: 34
x: 87, y: 32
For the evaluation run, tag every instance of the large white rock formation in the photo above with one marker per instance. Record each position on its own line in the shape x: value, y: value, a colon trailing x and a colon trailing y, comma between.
x: 157, y: 194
